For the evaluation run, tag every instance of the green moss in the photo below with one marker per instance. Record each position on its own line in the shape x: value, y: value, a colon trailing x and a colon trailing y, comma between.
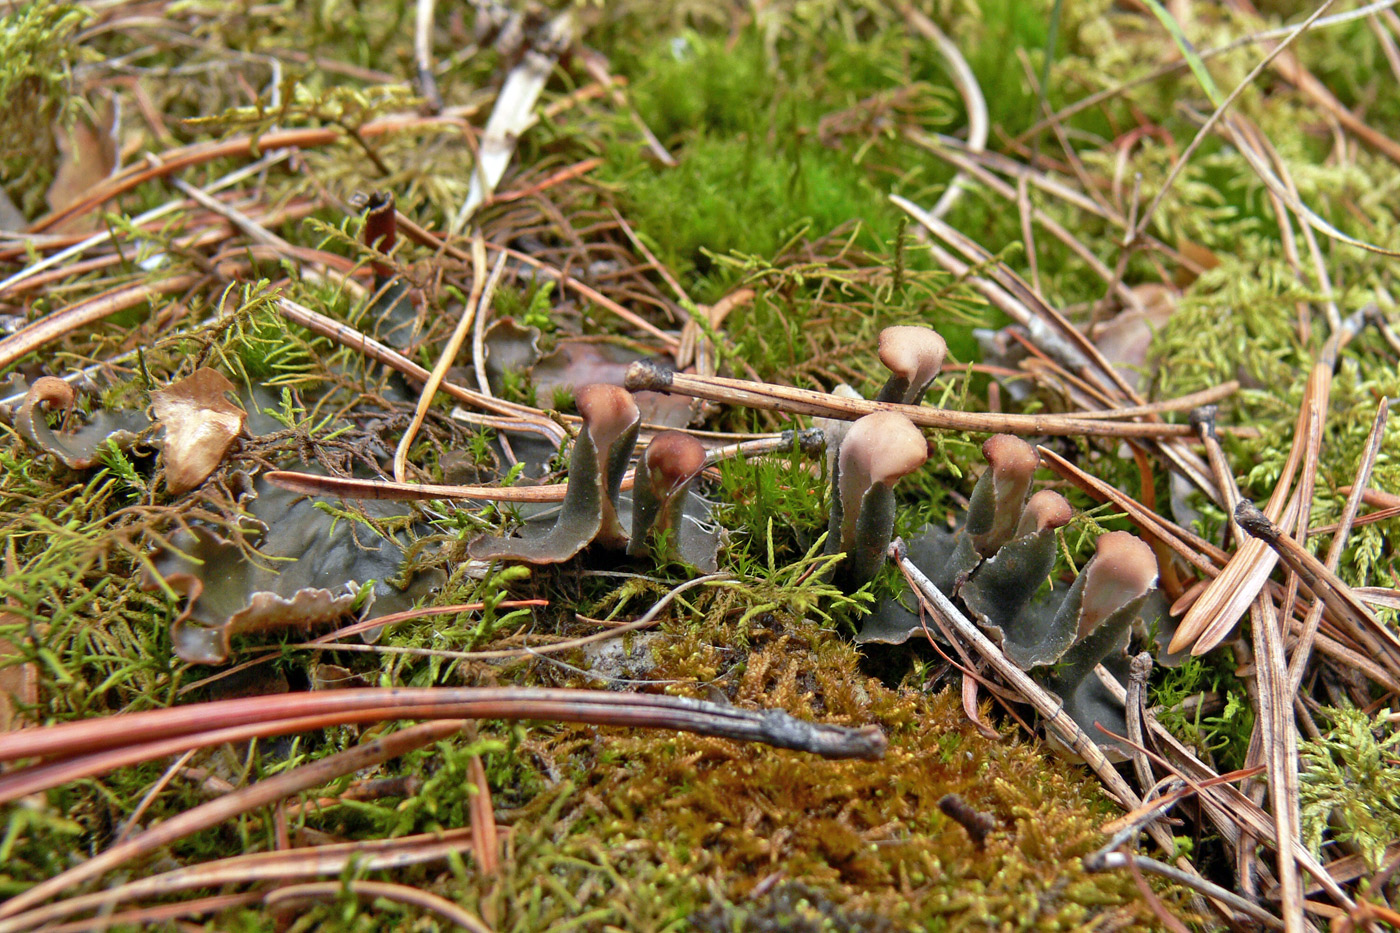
x: 766, y: 144
x: 37, y: 54
x: 1349, y: 786
x: 868, y: 835
x: 787, y: 121
x: 734, y: 195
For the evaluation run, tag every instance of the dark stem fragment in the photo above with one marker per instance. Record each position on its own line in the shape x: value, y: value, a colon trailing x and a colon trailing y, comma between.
x: 977, y: 823
x: 381, y: 233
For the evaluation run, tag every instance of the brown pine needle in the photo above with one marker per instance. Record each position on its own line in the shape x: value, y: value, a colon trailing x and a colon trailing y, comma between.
x: 1303, y: 649
x: 252, y: 868
x: 1228, y: 596
x: 55, y: 325
x: 86, y: 738
x: 1359, y: 621
x: 769, y: 397
x: 264, y: 792
x: 330, y: 890
x: 483, y: 291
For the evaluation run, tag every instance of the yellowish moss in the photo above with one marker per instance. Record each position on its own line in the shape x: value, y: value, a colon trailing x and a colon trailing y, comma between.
x: 717, y: 817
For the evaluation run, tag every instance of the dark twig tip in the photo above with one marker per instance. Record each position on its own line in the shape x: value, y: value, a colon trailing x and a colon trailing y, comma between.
x: 645, y: 375
x: 1203, y: 419
x: 811, y: 441
x: 1248, y: 517
x: 977, y: 823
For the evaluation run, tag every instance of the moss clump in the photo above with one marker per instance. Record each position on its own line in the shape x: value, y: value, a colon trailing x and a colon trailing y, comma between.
x: 36, y: 58
x: 866, y: 835
x: 1349, y: 784
x: 788, y: 908
x: 772, y: 139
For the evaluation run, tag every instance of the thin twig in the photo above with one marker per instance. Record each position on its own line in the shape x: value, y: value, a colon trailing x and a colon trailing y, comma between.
x: 1219, y: 114
x: 1137, y: 688
x: 256, y: 867
x: 347, y: 336
x: 55, y: 325
x: 63, y: 257
x: 1325, y: 585
x: 134, y: 819
x: 348, y: 487
x: 645, y: 620
x: 773, y: 727
x: 1303, y: 649
x: 1228, y: 596
x: 423, y: 55
x: 482, y: 292
x: 146, y: 918
x: 644, y: 376
x: 1111, y: 860
x: 1156, y: 74
x: 965, y: 80
x: 1279, y: 736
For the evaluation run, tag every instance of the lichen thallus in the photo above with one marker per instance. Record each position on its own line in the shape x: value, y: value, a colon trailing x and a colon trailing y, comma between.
x: 995, y: 560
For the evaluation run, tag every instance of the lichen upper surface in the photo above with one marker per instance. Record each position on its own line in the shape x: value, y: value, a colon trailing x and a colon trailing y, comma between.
x: 810, y: 111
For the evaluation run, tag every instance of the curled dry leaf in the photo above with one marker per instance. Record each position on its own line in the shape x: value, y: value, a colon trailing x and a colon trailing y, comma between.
x: 575, y: 362
x: 200, y: 426
x: 1126, y: 338
x: 78, y: 449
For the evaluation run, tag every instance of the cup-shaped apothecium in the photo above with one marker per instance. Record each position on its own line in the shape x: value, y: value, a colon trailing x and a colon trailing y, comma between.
x: 914, y: 356
x: 877, y: 450
x: 670, y: 464
x: 1123, y: 569
x: 1045, y: 510
x: 1000, y: 589
x: 994, y: 511
x: 1109, y: 598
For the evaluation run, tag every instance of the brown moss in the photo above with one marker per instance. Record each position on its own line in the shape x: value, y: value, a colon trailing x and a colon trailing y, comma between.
x: 868, y: 835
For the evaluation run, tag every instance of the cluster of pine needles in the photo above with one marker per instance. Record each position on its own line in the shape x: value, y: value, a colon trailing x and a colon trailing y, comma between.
x: 1113, y: 212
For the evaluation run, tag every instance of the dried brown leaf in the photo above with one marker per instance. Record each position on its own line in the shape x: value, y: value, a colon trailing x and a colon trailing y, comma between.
x: 19, y: 683
x: 578, y: 362
x: 200, y: 426
x: 88, y: 155
x: 1125, y: 339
